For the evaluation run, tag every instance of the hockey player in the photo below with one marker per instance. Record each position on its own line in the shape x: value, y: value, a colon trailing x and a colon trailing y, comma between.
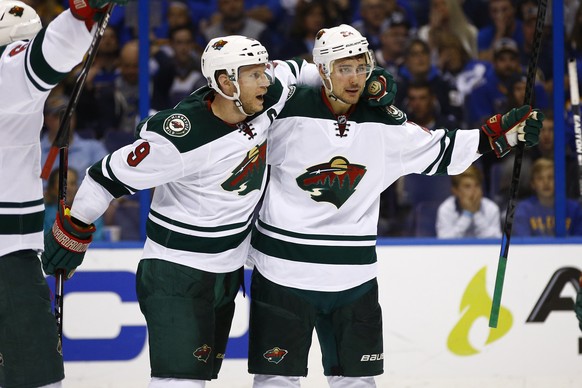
x: 206, y: 159
x: 314, y: 248
x: 32, y: 61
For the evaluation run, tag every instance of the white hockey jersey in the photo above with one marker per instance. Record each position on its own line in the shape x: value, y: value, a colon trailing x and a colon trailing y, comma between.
x: 318, y: 222
x: 28, y: 71
x: 208, y: 177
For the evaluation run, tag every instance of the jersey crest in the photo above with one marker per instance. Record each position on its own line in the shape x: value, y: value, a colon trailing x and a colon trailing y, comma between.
x: 333, y: 182
x: 16, y: 11
x: 248, y: 175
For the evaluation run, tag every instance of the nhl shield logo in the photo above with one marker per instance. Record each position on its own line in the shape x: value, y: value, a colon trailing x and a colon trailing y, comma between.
x: 202, y: 353
x: 275, y: 355
x: 177, y: 125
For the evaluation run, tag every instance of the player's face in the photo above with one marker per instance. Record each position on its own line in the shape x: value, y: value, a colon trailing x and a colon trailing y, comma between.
x: 253, y: 82
x: 348, y: 77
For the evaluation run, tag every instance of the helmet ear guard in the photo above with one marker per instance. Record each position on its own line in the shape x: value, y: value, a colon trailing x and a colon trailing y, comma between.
x: 18, y: 21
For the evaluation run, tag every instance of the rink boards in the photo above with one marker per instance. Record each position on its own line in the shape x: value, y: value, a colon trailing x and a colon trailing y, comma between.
x: 435, y: 298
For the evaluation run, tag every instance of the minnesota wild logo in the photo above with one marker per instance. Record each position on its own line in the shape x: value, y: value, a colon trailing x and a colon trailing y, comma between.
x: 16, y: 11
x: 248, y: 175
x: 333, y: 182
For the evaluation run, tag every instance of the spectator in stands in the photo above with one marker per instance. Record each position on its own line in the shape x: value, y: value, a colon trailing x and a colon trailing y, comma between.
x: 461, y: 72
x: 467, y: 213
x: 310, y: 17
x: 82, y: 152
x: 447, y: 16
x: 232, y: 19
x: 535, y: 216
x: 96, y: 111
x: 372, y: 14
x: 51, y: 200
x: 394, y: 38
x: 422, y: 107
x: 127, y: 87
x: 504, y: 25
x: 418, y: 68
x: 179, y: 72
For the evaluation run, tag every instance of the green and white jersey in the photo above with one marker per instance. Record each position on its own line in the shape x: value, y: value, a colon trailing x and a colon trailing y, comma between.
x: 208, y: 177
x: 318, y: 222
x: 28, y: 71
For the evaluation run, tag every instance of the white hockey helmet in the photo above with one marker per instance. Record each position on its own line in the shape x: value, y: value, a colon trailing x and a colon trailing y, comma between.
x: 229, y: 53
x: 339, y: 42
x: 18, y: 21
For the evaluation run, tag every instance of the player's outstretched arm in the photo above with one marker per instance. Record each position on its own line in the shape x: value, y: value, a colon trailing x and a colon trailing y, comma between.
x: 502, y: 132
x: 66, y: 243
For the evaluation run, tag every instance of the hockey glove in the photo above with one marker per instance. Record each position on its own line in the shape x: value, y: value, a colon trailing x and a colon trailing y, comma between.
x: 578, y: 305
x: 380, y: 88
x: 519, y: 124
x: 65, y: 244
x: 91, y: 11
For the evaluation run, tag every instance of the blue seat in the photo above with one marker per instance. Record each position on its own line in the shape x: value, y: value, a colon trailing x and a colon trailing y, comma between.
x: 425, y: 218
x: 422, y: 188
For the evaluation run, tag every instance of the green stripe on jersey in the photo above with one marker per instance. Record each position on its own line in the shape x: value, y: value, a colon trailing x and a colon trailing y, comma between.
x: 20, y: 205
x: 199, y: 228
x: 114, y: 187
x: 183, y: 242
x: 40, y: 66
x: 316, y: 236
x: 445, y: 154
x: 319, y: 254
x: 22, y: 223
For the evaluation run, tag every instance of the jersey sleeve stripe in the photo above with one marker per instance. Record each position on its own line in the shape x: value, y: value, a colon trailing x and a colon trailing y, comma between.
x: 21, y: 205
x: 444, y: 157
x: 115, y: 188
x: 21, y: 223
x: 294, y: 67
x: 37, y: 66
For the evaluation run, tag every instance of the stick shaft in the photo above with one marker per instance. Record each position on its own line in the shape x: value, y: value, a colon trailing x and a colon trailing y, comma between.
x: 508, y: 225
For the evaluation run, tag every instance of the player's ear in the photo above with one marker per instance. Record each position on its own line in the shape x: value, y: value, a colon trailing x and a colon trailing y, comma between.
x: 225, y: 84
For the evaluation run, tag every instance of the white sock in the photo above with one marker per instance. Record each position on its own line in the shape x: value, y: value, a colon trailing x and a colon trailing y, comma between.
x: 350, y: 382
x: 157, y: 382
x: 273, y: 381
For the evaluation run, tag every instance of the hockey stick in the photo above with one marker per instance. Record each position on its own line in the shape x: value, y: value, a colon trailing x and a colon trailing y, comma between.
x: 575, y: 101
x: 530, y: 80
x: 61, y: 146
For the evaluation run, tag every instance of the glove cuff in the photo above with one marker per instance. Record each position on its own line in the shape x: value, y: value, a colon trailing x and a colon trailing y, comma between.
x: 497, y: 139
x: 69, y: 242
x: 82, y: 10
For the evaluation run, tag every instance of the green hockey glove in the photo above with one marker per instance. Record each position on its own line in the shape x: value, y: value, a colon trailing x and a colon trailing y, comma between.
x: 380, y: 88
x: 65, y: 244
x: 519, y: 124
x: 578, y: 305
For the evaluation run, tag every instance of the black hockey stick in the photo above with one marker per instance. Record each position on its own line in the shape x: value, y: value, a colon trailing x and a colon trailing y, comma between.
x: 530, y: 81
x: 61, y: 146
x: 575, y: 101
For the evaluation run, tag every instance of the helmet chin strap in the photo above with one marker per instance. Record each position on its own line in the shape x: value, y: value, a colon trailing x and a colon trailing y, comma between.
x: 235, y: 98
x: 329, y: 91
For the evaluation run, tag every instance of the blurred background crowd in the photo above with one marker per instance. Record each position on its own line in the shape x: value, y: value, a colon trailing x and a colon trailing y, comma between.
x: 456, y: 63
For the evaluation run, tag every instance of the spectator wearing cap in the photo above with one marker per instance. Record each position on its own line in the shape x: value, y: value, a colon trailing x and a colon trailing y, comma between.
x: 447, y: 16
x: 504, y: 24
x: 82, y: 152
x: 394, y: 39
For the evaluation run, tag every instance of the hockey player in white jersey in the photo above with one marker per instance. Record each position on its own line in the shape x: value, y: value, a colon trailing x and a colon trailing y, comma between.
x: 206, y: 159
x: 32, y: 61
x: 331, y: 156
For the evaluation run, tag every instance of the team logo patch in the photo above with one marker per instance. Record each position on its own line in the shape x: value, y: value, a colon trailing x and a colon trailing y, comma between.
x: 219, y: 44
x: 177, y: 125
x: 374, y: 88
x: 203, y: 353
x: 395, y: 112
x: 1, y: 360
x: 248, y: 175
x: 16, y: 11
x: 333, y: 182
x: 275, y: 355
x: 319, y: 34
